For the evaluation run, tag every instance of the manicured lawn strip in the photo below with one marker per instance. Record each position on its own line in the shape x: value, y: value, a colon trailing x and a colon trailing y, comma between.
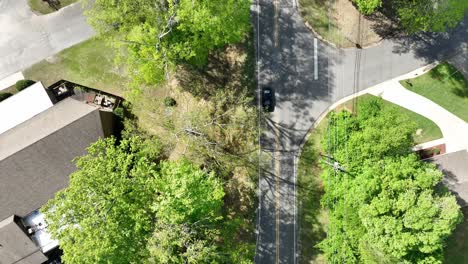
x: 456, y: 251
x: 430, y: 131
x: 90, y: 63
x: 42, y: 7
x: 445, y: 86
x: 312, y: 217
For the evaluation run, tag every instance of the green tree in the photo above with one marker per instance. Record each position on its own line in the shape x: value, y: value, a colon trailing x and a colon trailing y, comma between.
x: 368, y: 7
x: 385, y: 206
x: 431, y: 16
x: 188, y: 194
x: 124, y: 205
x: 188, y: 213
x: 406, y: 219
x: 161, y: 34
x: 182, y: 243
x: 104, y: 215
x: 421, y: 15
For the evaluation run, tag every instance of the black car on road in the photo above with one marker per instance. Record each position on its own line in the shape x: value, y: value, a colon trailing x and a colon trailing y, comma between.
x: 268, y: 99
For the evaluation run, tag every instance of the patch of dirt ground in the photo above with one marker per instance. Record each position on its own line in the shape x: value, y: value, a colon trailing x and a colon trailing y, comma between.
x: 355, y: 28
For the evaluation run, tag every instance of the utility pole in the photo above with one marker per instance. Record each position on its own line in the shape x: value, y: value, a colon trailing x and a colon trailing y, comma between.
x: 333, y: 162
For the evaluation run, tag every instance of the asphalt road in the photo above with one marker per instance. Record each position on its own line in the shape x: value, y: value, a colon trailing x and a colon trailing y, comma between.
x: 26, y: 38
x: 308, y: 76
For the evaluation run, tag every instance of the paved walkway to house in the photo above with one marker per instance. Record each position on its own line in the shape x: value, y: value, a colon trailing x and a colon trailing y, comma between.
x: 454, y: 129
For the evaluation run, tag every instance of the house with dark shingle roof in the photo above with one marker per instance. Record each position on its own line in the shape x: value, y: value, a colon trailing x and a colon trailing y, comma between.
x: 35, y: 162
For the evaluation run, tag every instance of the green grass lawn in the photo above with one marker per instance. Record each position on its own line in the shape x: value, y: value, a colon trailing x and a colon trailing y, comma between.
x: 427, y: 130
x: 90, y: 63
x: 42, y: 7
x: 445, y: 86
x: 312, y: 217
x: 456, y: 251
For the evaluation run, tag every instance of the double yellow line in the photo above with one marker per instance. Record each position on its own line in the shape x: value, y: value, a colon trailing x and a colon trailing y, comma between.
x: 277, y: 152
x: 276, y: 3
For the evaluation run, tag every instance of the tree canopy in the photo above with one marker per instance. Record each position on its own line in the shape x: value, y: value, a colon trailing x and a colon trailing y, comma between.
x: 187, y: 210
x: 103, y: 215
x: 368, y: 6
x: 386, y: 206
x: 160, y: 34
x: 430, y: 16
x: 420, y: 15
x: 124, y: 205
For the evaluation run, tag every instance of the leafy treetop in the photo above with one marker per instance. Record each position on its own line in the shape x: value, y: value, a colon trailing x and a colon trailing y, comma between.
x: 385, y: 207
x: 161, y: 34
x: 123, y: 205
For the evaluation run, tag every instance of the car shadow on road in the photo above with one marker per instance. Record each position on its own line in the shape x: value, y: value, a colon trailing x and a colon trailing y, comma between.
x: 300, y: 74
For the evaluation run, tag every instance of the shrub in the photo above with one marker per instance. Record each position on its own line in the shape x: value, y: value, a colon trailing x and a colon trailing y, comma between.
x: 436, y: 151
x: 368, y: 7
x: 119, y: 112
x: 169, y: 101
x: 23, y: 84
x: 4, y: 96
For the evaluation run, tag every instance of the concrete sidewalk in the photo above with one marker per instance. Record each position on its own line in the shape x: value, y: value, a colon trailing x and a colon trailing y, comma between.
x: 454, y: 129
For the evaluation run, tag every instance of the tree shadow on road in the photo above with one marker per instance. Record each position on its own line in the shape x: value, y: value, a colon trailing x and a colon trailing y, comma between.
x: 286, y: 63
x: 434, y: 46
x: 300, y: 74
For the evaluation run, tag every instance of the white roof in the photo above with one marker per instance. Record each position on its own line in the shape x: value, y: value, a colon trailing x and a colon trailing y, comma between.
x: 23, y: 105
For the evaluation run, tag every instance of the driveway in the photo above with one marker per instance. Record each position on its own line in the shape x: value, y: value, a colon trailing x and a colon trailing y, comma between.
x: 26, y: 38
x: 455, y: 168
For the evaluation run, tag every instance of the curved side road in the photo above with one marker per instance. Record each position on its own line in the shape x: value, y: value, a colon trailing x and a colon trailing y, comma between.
x: 26, y: 38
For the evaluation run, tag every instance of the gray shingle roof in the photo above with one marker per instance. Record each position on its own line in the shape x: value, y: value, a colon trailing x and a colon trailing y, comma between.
x: 36, y: 156
x: 16, y: 247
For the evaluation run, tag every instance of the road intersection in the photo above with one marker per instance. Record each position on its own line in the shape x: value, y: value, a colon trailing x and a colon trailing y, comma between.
x: 307, y: 76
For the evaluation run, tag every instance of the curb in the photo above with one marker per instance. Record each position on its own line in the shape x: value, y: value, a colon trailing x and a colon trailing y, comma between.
x: 409, y: 75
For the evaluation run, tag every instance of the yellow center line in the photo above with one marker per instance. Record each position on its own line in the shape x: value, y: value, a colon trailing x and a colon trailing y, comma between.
x: 277, y: 171
x: 276, y: 2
